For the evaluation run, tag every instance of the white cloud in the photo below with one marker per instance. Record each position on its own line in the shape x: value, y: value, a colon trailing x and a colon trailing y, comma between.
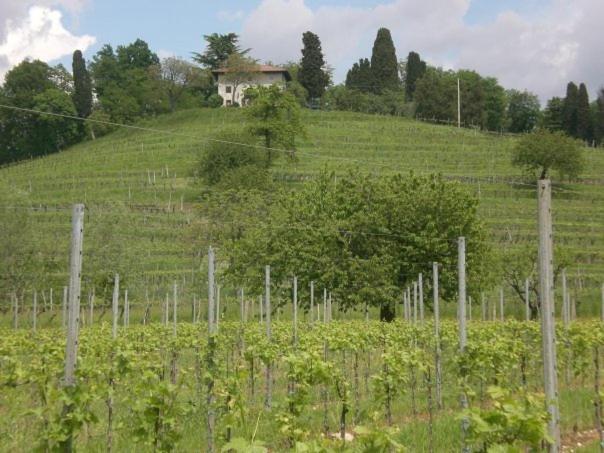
x: 540, y: 53
x: 37, y: 32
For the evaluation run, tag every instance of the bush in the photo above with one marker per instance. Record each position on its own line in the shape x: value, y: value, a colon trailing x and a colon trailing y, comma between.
x: 214, y: 101
x: 227, y: 151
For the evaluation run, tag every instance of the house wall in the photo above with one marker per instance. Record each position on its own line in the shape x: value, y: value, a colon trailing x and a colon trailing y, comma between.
x: 265, y: 79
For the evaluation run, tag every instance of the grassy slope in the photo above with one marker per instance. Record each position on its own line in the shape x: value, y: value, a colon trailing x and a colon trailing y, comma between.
x: 141, y: 192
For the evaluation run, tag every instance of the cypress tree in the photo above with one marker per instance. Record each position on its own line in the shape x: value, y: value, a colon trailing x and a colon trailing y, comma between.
x: 311, y: 75
x: 359, y: 77
x: 569, y: 118
x: 584, y: 130
x: 600, y: 117
x: 82, y: 93
x: 384, y: 66
x: 414, y: 70
x: 553, y: 114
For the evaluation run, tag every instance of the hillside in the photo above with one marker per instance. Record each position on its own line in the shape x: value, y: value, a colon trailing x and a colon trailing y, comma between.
x: 142, y: 195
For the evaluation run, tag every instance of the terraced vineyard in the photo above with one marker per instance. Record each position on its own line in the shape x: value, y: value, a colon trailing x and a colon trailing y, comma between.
x: 143, y: 197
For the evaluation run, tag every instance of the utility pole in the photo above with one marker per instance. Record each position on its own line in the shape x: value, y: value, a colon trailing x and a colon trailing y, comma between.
x: 546, y: 281
x: 527, y: 305
x: 268, y: 402
x: 115, y: 304
x: 437, y: 354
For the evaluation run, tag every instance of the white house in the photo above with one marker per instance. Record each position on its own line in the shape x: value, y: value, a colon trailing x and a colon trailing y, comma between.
x: 231, y: 86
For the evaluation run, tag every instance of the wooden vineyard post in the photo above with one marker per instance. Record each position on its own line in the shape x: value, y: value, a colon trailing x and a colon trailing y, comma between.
x: 329, y: 313
x: 527, y: 300
x: 501, y: 303
x: 115, y: 303
x: 469, y: 308
x: 91, y: 308
x: 167, y: 309
x: 420, y: 285
x: 174, y: 308
x: 324, y: 305
x: 210, y: 363
x: 295, y: 302
x: 261, y: 308
x: 414, y: 302
x: 51, y: 301
x: 437, y: 354
x: 312, y: 302
x: 461, y: 275
x: 483, y: 303
x: 75, y: 280
x: 547, y: 311
x: 126, y: 309
x: 35, y: 311
x: 268, y: 402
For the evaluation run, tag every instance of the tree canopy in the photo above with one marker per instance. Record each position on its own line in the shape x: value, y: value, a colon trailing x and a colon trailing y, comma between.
x: 543, y: 151
x: 219, y: 47
x: 384, y: 64
x: 82, y: 91
x: 311, y: 74
x: 364, y: 238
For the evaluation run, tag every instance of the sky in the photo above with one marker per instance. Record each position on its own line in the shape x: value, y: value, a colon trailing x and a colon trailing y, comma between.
x: 537, y: 45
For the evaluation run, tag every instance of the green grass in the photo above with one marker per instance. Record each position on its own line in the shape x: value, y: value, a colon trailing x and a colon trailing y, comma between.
x: 143, y: 195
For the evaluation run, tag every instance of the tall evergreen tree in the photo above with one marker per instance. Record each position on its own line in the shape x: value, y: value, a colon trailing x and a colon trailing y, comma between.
x: 571, y: 104
x: 311, y: 74
x: 600, y: 117
x: 584, y: 129
x: 384, y: 65
x: 553, y: 114
x: 359, y: 77
x: 218, y: 50
x: 414, y: 70
x: 82, y: 93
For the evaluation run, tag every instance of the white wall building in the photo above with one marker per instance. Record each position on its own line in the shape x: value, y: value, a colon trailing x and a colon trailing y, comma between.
x: 232, y: 88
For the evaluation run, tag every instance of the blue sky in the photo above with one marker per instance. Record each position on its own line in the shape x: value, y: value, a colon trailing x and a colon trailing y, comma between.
x: 527, y: 44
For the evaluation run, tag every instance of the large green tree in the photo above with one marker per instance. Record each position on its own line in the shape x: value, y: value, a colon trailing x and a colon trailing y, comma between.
x: 415, y: 68
x: 584, y: 124
x: 219, y: 47
x: 544, y: 151
x: 384, y: 64
x: 364, y: 238
x: 360, y: 77
x: 523, y: 111
x: 311, y: 74
x: 34, y: 85
x: 599, y: 121
x: 494, y: 104
x: 82, y: 86
x: 571, y: 108
x: 274, y: 115
x: 553, y: 115
x: 436, y: 95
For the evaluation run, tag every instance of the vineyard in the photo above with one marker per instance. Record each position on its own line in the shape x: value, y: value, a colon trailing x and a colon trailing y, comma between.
x: 144, y: 352
x: 147, y: 389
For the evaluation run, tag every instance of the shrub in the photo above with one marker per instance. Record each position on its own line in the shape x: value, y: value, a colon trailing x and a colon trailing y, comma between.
x: 227, y: 151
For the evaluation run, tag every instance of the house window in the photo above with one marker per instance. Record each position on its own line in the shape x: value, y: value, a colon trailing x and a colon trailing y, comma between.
x: 229, y: 89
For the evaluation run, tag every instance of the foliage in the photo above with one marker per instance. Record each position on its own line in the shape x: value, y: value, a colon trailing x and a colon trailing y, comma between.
x: 311, y: 75
x: 415, y: 68
x: 179, y: 77
x: 82, y: 92
x: 34, y: 85
x: 552, y: 118
x: 584, y: 126
x: 218, y: 49
x: 364, y: 238
x: 436, y: 95
x: 388, y: 103
x: 543, y: 151
x: 384, y: 64
x: 599, y: 121
x: 360, y: 77
x: 519, y: 422
x: 240, y: 69
x: 274, y: 115
x: 228, y: 151
x: 570, y: 120
x: 523, y: 111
